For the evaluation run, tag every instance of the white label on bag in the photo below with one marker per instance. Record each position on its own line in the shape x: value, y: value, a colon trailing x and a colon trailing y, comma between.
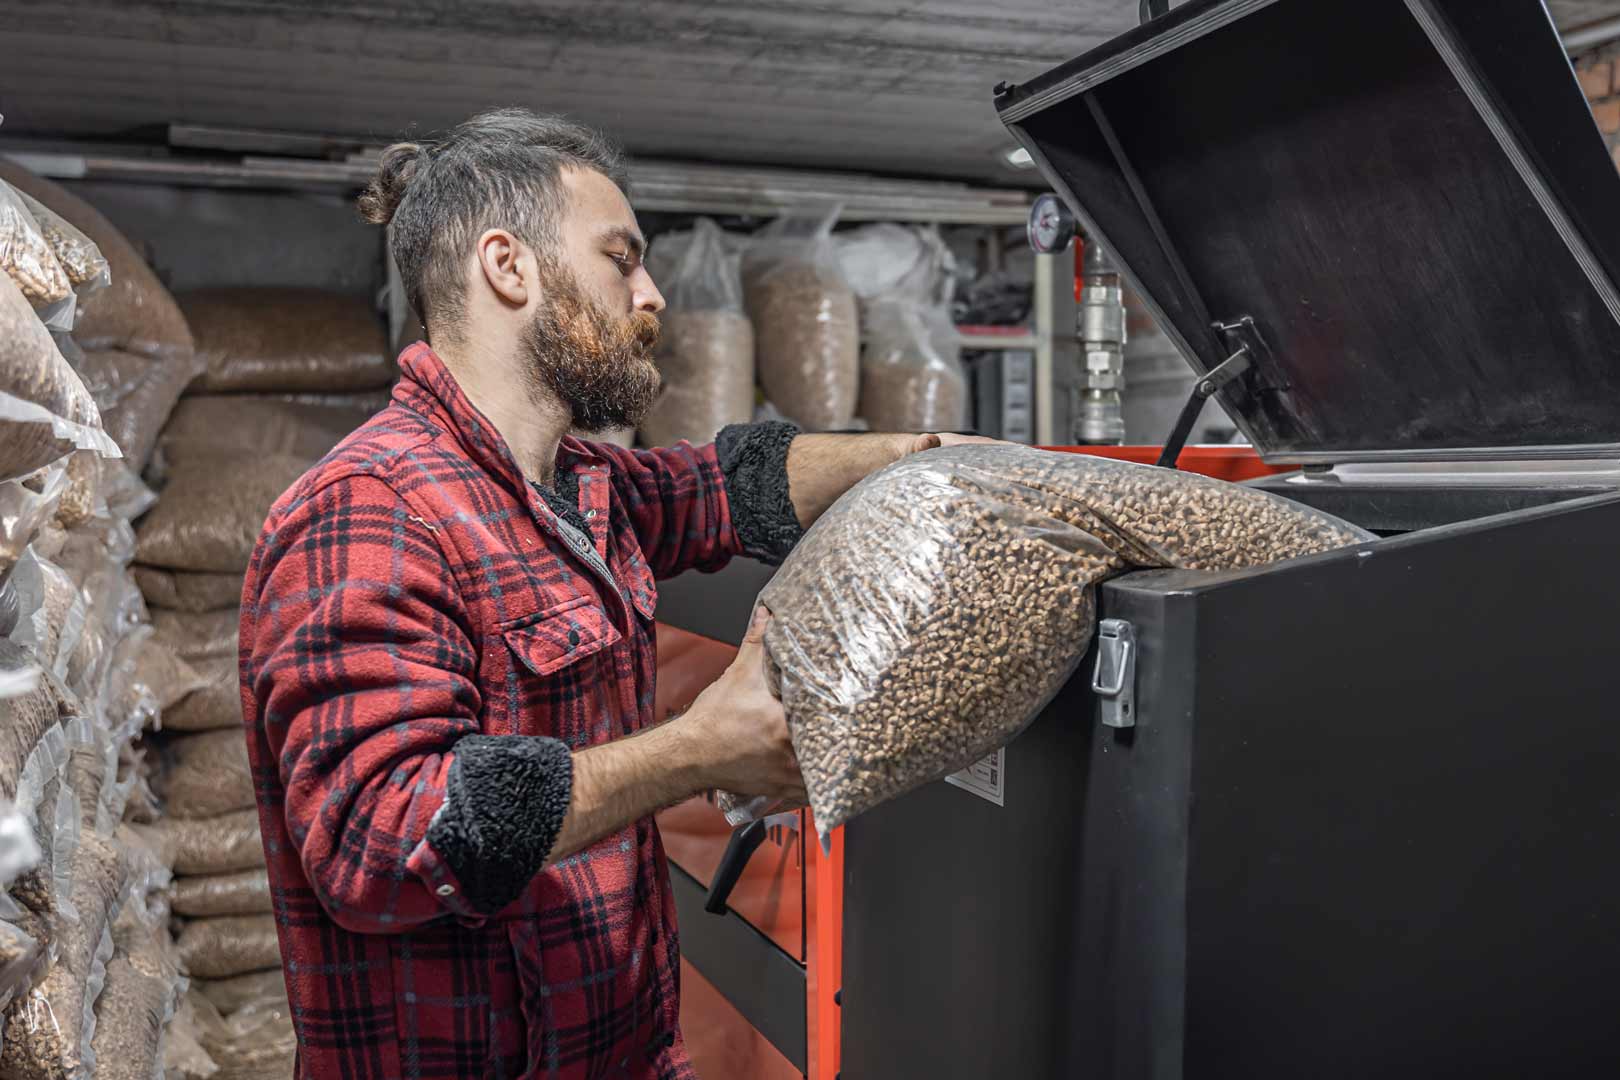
x: 985, y: 778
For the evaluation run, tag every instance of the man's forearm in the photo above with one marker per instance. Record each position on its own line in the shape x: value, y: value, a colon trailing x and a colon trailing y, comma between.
x: 621, y: 782
x: 820, y: 468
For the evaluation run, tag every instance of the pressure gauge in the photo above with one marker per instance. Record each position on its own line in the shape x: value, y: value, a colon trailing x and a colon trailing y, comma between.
x: 1051, y: 225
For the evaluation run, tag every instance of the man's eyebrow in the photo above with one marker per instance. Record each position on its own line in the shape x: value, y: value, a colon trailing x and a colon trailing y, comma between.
x: 629, y: 237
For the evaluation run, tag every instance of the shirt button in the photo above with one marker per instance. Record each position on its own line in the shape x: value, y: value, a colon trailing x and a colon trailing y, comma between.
x: 590, y: 515
x: 446, y: 890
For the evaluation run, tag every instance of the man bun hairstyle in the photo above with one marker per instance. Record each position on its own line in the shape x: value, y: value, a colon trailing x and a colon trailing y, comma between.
x: 395, y: 171
x: 499, y: 169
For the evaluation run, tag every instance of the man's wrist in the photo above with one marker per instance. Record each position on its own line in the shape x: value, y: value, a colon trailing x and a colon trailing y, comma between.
x: 682, y: 754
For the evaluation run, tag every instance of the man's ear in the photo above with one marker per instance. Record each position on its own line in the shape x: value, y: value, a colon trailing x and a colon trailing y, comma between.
x: 500, y: 258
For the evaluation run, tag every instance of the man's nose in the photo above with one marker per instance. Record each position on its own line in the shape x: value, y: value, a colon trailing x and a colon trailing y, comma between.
x: 645, y: 293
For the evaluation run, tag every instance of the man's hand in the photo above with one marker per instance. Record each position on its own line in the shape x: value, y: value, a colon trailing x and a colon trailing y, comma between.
x: 945, y: 438
x: 738, y: 729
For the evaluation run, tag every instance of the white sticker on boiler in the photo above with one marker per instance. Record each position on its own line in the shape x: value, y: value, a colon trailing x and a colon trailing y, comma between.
x: 986, y: 777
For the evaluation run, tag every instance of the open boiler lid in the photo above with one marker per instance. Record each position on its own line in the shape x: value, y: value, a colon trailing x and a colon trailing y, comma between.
x: 1400, y: 211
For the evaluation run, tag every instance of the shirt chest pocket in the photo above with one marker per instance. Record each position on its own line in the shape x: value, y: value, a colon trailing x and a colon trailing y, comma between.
x: 556, y: 673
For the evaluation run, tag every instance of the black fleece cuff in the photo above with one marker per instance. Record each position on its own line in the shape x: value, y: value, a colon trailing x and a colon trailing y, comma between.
x: 753, y: 460
x: 506, y: 800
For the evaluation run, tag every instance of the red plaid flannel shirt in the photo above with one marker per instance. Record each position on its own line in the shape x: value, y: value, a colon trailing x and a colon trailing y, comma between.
x: 410, y: 591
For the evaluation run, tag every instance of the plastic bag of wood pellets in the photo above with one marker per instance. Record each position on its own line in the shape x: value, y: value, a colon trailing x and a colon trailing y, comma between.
x: 245, y: 892
x: 188, y: 590
x: 228, y: 945
x: 79, y: 498
x: 706, y: 351
x: 57, y: 609
x: 241, y: 991
x: 25, y: 717
x: 941, y: 603
x: 59, y: 1048
x: 131, y: 1014
x: 287, y: 339
x: 26, y: 256
x: 134, y: 312
x: 215, y: 704
x: 45, y: 410
x: 19, y: 848
x: 806, y: 330
x: 165, y: 673
x: 24, y: 506
x: 213, y: 508
x: 197, y: 637
x: 134, y: 394
x: 81, y: 260
x: 217, y: 845
x: 183, y: 1055
x: 137, y: 1001
x: 911, y: 372
x: 19, y: 959
x: 304, y: 430
x: 205, y: 775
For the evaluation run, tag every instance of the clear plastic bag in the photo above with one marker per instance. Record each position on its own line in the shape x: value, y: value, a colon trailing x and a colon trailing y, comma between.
x: 256, y: 1042
x: 134, y: 394
x: 184, y: 1057
x: 25, y: 505
x: 217, y: 845
x: 55, y: 611
x: 45, y: 410
x: 264, y: 339
x: 245, y: 892
x: 138, y: 999
x: 911, y: 371
x: 189, y: 590
x: 49, y: 1034
x: 217, y: 701
x: 24, y: 719
x: 134, y: 312
x: 256, y: 988
x: 706, y: 351
x: 213, y: 507
x: 205, y: 775
x: 299, y: 429
x: 941, y: 603
x: 228, y: 945
x: 85, y: 265
x: 26, y: 256
x: 806, y: 328
x: 168, y: 676
x: 197, y: 637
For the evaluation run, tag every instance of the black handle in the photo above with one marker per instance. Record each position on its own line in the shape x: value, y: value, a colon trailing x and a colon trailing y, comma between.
x: 745, y: 840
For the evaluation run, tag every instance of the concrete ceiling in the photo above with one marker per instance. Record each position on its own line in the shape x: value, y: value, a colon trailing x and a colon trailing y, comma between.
x: 896, y: 86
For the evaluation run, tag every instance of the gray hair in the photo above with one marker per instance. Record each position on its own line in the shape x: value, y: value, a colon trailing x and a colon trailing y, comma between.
x: 500, y: 169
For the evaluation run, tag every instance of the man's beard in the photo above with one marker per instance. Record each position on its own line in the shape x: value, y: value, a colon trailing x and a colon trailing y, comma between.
x: 599, y: 367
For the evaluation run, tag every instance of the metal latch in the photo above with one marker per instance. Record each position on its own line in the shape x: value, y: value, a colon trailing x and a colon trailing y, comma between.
x: 1114, y: 680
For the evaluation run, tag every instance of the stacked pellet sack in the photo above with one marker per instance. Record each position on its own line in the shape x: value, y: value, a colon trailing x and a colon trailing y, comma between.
x: 82, y: 913
x: 286, y: 375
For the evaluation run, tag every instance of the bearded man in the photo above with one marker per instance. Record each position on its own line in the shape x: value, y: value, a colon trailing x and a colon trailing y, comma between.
x: 448, y: 651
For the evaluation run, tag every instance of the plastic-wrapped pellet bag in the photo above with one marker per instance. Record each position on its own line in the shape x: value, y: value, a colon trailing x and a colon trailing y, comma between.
x: 911, y: 377
x: 217, y: 845
x: 300, y: 429
x: 134, y: 312
x: 940, y: 604
x: 189, y: 590
x: 239, y: 991
x: 134, y: 395
x: 706, y: 351
x: 45, y: 410
x: 26, y: 256
x: 806, y: 329
x: 228, y: 945
x: 85, y: 265
x: 213, y: 508
x: 259, y: 339
x: 205, y: 775
x: 245, y: 892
